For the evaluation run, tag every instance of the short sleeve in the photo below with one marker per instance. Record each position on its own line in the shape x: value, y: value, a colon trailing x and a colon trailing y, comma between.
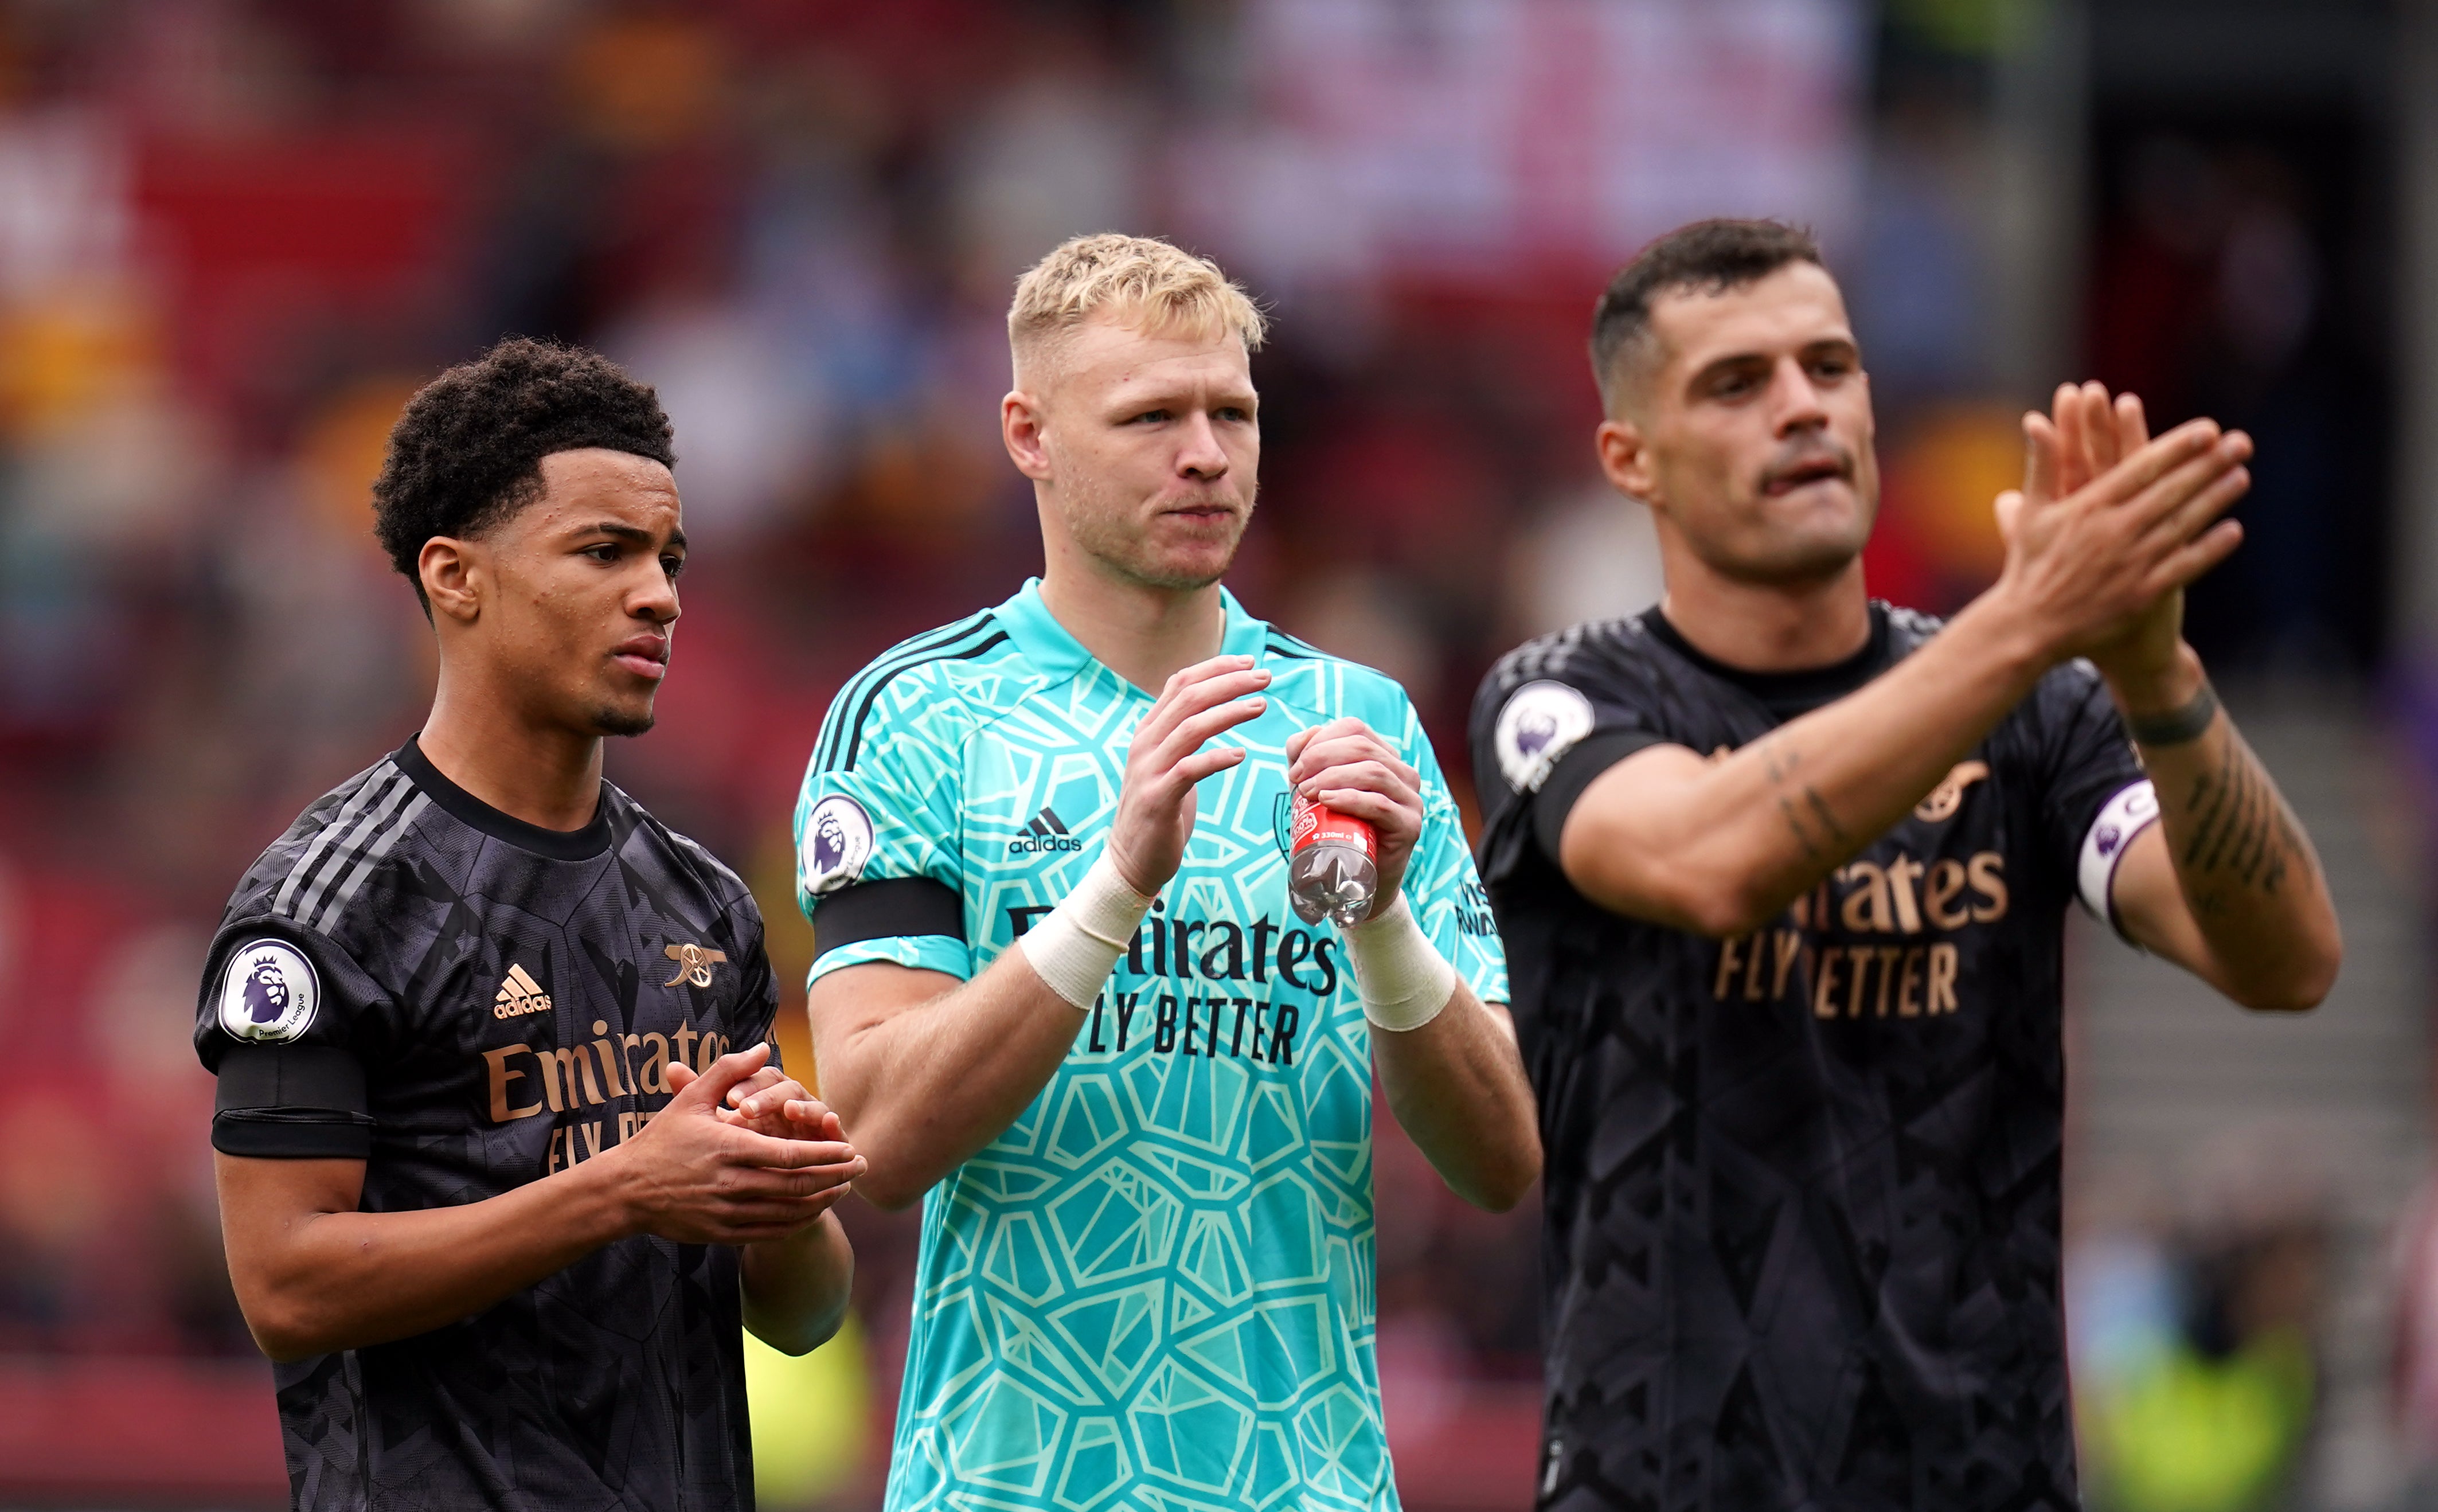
x: 280, y: 1021
x: 1441, y: 886
x: 2088, y: 759
x: 1538, y: 741
x: 757, y: 1004
x: 878, y: 870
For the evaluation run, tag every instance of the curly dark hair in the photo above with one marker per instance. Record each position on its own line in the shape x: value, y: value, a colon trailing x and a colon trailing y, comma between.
x: 1711, y: 257
x: 467, y: 452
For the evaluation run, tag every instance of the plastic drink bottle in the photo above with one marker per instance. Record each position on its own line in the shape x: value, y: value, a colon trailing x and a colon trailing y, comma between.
x: 1334, y: 867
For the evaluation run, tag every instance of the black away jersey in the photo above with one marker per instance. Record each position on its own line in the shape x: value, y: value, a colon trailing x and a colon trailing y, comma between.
x: 1801, y: 1243
x: 467, y: 1003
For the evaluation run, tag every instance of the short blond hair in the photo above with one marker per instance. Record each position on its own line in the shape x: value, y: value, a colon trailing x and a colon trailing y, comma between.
x: 1141, y: 279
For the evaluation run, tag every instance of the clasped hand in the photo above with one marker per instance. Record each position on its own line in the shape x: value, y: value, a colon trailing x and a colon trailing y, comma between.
x: 2112, y: 525
x: 740, y: 1153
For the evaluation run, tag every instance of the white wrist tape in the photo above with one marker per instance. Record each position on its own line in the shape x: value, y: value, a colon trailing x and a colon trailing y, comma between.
x: 1075, y: 948
x: 1404, y: 979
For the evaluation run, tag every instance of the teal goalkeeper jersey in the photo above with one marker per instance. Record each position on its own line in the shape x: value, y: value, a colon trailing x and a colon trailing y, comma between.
x: 1155, y: 1289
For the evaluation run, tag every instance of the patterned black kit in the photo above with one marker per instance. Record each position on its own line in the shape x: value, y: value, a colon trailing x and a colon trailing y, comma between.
x: 467, y: 1003
x: 1801, y: 1244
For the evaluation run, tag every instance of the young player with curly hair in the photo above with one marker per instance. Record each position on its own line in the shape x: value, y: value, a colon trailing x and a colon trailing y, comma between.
x: 504, y: 1156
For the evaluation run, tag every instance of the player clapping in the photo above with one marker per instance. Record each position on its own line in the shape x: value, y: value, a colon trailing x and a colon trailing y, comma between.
x: 498, y: 1194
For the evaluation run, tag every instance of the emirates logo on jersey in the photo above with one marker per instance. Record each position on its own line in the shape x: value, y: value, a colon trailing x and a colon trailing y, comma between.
x: 1875, y: 940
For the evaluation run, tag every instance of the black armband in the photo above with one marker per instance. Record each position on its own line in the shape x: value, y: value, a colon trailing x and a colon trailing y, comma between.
x: 291, y: 1102
x: 2176, y: 726
x: 1576, y: 770
x: 885, y: 911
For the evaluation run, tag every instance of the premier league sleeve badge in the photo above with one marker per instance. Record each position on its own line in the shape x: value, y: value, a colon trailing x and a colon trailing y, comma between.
x: 1542, y: 722
x: 838, y: 842
x: 269, y: 993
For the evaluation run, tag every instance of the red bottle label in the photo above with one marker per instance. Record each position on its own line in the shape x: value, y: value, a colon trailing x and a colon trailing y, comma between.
x: 1315, y: 822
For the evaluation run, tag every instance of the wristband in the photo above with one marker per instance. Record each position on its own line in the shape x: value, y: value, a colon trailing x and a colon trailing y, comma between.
x: 1403, y: 979
x: 2176, y: 726
x: 1075, y: 948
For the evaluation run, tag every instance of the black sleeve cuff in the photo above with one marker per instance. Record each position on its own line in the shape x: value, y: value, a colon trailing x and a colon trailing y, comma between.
x: 293, y: 1134
x: 291, y: 1076
x: 885, y: 911
x: 1594, y: 754
x: 292, y: 1102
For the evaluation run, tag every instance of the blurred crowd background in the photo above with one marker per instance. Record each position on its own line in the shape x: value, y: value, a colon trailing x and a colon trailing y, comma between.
x: 235, y: 234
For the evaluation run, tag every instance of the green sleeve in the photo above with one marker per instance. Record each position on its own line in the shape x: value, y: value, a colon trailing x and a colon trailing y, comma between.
x: 885, y: 807
x: 1440, y: 884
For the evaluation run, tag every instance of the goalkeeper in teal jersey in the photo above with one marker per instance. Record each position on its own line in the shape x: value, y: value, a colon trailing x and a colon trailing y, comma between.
x: 1059, y: 993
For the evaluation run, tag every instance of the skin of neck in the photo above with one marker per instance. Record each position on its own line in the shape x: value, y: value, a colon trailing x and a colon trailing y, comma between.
x: 1143, y: 633
x: 530, y: 768
x: 1763, y: 627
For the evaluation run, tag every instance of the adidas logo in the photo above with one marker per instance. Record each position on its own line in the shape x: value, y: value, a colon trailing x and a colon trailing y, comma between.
x: 1046, y: 833
x: 519, y: 994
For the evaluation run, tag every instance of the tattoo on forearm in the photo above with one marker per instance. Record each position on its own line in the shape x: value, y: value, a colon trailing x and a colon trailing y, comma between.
x: 1795, y: 824
x: 2242, y: 832
x: 2176, y: 726
x: 1780, y: 761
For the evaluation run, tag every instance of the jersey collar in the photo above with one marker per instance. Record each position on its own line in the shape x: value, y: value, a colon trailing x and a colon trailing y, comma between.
x: 1059, y: 656
x: 1787, y: 695
x: 554, y: 845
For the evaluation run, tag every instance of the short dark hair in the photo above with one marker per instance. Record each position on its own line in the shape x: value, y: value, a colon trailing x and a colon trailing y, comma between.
x: 1710, y: 257
x: 467, y: 452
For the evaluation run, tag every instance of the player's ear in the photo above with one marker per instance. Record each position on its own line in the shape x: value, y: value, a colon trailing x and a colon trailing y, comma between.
x: 1019, y: 426
x: 446, y: 570
x: 1625, y: 457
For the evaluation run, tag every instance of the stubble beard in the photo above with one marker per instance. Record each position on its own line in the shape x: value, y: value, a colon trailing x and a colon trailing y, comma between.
x: 611, y: 719
x: 1104, y: 531
x: 1750, y: 548
x: 1792, y: 564
x: 1793, y: 556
